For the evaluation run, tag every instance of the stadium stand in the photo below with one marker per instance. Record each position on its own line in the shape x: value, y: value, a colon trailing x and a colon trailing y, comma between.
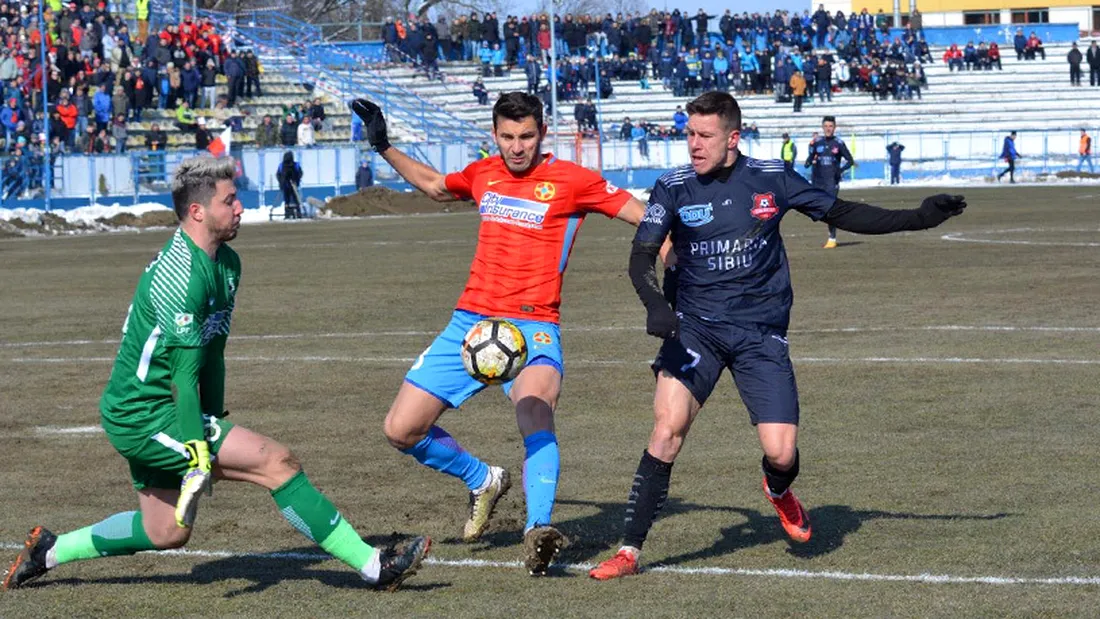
x: 262, y: 64
x: 1034, y: 94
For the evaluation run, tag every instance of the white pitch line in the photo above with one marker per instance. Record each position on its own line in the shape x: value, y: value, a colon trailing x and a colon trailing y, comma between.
x: 922, y: 578
x: 68, y: 430
x: 593, y: 362
x: 968, y: 237
x: 579, y: 329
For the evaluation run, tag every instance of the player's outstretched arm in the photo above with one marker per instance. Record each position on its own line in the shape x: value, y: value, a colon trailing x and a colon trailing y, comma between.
x: 868, y: 219
x: 420, y: 175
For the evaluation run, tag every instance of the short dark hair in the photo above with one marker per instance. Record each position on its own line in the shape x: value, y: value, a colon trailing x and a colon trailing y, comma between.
x: 517, y: 106
x: 195, y: 180
x: 829, y: 119
x: 721, y: 103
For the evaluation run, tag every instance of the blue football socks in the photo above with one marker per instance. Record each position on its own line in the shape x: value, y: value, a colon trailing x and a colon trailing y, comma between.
x: 442, y: 452
x: 540, y: 477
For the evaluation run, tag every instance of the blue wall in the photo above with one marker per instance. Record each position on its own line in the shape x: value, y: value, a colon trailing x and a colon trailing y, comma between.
x: 999, y: 33
x: 939, y: 36
x: 372, y: 51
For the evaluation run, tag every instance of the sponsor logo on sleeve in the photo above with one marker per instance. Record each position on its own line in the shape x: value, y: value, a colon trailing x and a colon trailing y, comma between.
x: 184, y: 323
x: 611, y: 188
x: 654, y: 214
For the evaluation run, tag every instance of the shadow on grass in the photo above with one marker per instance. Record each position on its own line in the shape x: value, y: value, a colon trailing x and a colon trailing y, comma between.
x: 594, y: 535
x: 831, y: 525
x: 262, y: 570
x: 591, y: 536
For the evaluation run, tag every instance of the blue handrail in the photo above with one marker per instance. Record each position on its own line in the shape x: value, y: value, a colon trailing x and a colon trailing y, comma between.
x: 292, y: 47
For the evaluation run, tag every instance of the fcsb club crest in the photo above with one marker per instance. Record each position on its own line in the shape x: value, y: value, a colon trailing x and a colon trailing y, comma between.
x: 544, y: 191
x: 542, y: 337
x: 763, y: 206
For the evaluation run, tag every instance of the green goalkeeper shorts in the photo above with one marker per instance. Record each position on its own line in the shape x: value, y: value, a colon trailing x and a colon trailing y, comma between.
x: 160, y: 460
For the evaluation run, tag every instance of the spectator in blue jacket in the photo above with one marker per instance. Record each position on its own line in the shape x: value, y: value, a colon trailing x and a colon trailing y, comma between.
x: 190, y: 79
x: 485, y: 55
x: 721, y: 71
x: 1009, y: 154
x: 679, y: 122
x: 894, y: 151
x: 1020, y: 43
x: 497, y: 60
x: 970, y: 56
x: 101, y: 103
x: 234, y: 72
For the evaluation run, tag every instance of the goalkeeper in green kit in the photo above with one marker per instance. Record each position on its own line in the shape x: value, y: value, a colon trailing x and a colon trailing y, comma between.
x: 163, y: 407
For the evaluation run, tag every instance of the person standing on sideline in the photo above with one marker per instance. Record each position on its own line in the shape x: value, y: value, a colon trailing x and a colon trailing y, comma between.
x: 789, y: 152
x: 289, y: 175
x: 829, y: 158
x: 894, y: 150
x: 1085, y: 151
x: 1074, y: 58
x: 364, y: 176
x: 1009, y: 154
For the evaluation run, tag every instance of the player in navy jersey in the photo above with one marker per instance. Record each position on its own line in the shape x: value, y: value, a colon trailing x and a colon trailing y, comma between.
x: 829, y: 159
x: 732, y: 304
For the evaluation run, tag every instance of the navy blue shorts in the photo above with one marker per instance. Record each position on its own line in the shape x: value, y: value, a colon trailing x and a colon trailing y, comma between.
x: 757, y: 358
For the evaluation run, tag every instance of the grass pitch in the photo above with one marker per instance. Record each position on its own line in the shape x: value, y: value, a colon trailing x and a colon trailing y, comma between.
x: 948, y: 388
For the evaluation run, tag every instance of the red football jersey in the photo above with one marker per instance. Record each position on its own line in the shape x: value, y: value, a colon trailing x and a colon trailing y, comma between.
x: 528, y: 225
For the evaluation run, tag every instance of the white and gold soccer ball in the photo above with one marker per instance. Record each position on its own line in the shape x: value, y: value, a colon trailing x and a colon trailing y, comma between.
x: 494, y: 351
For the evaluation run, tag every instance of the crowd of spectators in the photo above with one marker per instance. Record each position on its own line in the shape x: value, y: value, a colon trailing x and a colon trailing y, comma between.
x: 746, y: 53
x: 101, y: 77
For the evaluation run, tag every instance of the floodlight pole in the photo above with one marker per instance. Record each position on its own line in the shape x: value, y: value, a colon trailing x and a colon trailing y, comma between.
x: 43, y: 60
x: 553, y: 78
x: 599, y: 109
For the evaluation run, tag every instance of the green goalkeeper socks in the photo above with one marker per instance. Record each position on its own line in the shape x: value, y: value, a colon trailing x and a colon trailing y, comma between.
x: 120, y: 534
x: 314, y: 516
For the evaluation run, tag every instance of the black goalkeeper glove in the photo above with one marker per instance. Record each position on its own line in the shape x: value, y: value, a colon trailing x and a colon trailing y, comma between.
x: 374, y: 123
x: 670, y: 284
x: 939, y: 208
x: 661, y: 321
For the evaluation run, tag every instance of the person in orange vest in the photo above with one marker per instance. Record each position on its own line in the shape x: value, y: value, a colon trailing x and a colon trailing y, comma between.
x: 1085, y: 151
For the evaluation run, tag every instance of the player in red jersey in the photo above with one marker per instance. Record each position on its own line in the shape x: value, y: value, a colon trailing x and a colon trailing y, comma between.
x: 531, y: 205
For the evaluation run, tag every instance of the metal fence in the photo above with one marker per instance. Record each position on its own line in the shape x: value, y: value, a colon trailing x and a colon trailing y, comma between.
x: 330, y: 170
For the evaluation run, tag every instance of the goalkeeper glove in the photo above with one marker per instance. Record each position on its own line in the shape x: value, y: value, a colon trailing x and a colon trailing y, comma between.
x: 195, y: 481
x: 374, y: 123
x: 939, y: 208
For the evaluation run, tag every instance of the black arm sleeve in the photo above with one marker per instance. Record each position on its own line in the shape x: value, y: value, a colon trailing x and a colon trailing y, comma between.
x: 868, y: 219
x: 643, y: 273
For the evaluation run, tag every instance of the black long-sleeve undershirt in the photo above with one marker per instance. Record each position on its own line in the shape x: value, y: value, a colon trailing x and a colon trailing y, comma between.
x: 869, y: 219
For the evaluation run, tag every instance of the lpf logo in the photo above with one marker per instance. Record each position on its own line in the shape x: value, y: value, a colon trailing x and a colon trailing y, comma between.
x: 763, y: 206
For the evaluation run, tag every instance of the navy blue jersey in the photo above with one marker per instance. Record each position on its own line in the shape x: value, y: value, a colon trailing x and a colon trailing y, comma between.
x: 829, y: 158
x: 733, y: 268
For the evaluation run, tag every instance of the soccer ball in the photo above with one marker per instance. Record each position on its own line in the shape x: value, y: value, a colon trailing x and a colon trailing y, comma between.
x: 494, y: 351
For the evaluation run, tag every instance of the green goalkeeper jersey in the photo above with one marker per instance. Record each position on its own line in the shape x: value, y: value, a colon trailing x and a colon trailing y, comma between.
x: 180, y: 315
